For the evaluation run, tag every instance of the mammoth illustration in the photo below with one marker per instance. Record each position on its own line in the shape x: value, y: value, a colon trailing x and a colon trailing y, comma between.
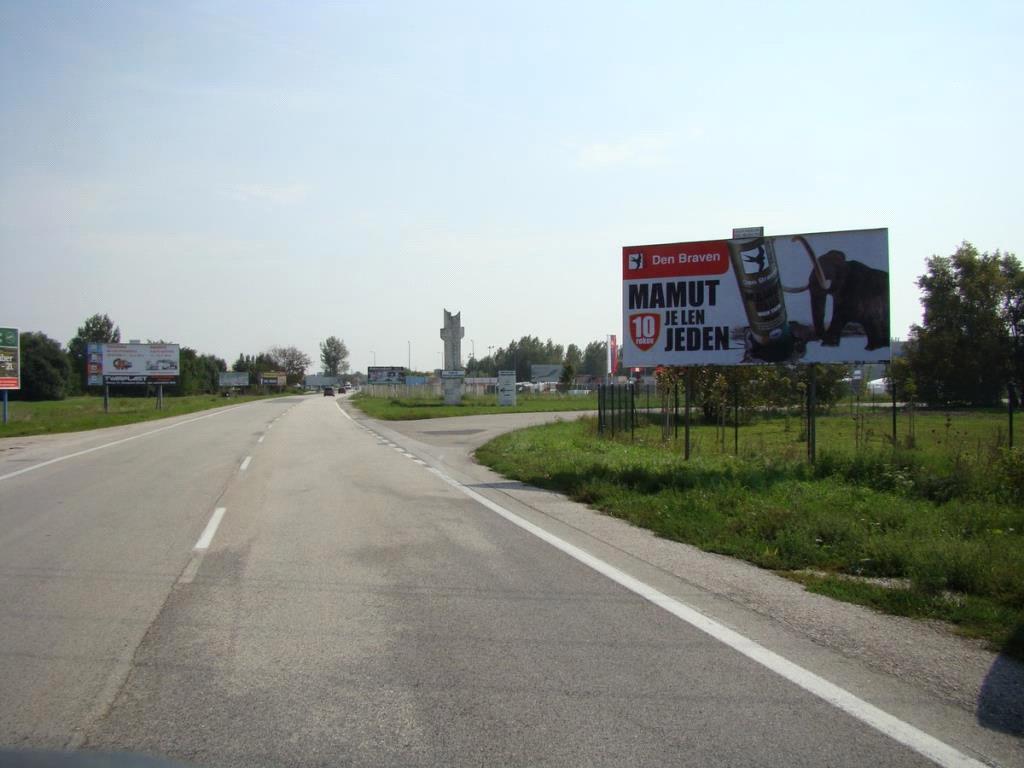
x: 860, y: 294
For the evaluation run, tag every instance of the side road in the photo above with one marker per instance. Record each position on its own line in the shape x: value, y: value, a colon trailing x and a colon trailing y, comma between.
x: 918, y: 671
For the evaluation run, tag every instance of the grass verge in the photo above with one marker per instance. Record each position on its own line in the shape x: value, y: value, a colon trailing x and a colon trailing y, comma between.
x: 851, y: 518
x: 76, y: 414
x: 410, y: 408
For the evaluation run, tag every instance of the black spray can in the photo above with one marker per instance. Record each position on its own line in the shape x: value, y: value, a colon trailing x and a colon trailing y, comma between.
x: 757, y: 273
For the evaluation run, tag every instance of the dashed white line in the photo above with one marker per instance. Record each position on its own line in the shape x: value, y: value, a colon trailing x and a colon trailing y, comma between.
x: 211, y: 529
x: 924, y: 744
x: 261, y: 439
x: 245, y: 464
x: 123, y: 440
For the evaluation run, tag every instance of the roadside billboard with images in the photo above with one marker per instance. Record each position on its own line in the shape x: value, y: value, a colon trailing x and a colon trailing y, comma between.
x: 233, y: 379
x: 810, y: 298
x: 135, y: 363
x: 10, y: 358
x: 273, y: 379
x: 385, y: 374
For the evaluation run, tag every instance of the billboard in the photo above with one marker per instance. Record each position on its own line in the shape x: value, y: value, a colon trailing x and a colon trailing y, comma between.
x: 233, y: 379
x: 811, y: 298
x: 385, y: 374
x: 94, y: 364
x: 10, y: 359
x: 273, y: 379
x: 135, y: 363
x: 318, y: 382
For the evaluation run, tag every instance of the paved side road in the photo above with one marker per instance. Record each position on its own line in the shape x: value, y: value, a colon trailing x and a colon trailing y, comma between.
x: 293, y: 587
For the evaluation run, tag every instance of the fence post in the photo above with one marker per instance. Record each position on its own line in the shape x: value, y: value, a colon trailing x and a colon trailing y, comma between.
x: 892, y: 386
x: 1010, y: 405
x: 632, y: 412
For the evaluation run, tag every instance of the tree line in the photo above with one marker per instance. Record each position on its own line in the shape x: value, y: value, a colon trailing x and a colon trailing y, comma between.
x: 52, y: 372
x: 520, y: 354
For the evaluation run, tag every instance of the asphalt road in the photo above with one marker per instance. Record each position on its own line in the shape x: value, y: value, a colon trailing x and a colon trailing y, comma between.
x: 368, y: 597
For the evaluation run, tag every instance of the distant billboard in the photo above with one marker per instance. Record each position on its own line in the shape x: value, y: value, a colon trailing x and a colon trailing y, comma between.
x: 318, y: 382
x: 10, y: 358
x: 233, y: 379
x: 812, y: 298
x: 545, y: 372
x: 385, y: 374
x: 134, y: 363
x: 273, y: 379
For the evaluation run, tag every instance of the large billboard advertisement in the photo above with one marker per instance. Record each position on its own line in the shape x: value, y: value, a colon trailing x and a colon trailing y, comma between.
x: 233, y: 379
x: 136, y: 363
x: 811, y: 298
x: 10, y: 358
x: 385, y: 374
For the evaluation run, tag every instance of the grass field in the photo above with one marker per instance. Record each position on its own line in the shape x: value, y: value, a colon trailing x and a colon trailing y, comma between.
x: 409, y: 408
x: 936, y: 532
x: 80, y: 413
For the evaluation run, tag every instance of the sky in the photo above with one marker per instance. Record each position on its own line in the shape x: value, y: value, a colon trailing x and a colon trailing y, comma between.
x: 233, y: 176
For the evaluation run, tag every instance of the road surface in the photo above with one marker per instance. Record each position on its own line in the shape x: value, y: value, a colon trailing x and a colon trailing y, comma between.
x: 287, y: 583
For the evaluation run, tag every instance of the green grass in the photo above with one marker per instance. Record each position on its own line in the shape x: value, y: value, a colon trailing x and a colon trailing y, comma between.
x: 950, y: 530
x: 81, y: 413
x: 409, y: 408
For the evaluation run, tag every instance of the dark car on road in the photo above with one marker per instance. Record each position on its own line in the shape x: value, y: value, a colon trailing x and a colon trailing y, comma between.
x: 328, y: 391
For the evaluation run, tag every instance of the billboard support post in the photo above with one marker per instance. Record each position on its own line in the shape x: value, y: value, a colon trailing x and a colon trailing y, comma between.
x: 812, y: 407
x: 892, y: 386
x: 736, y: 418
x: 686, y: 430
x: 675, y: 414
x: 106, y: 398
x: 5, y: 408
x: 160, y: 397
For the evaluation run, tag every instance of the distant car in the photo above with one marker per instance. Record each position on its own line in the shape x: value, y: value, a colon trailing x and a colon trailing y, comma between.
x: 342, y: 390
x: 328, y: 391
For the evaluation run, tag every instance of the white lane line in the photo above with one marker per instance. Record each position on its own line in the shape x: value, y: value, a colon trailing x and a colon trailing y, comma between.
x: 211, y: 529
x: 906, y: 734
x: 270, y: 426
x: 261, y: 439
x: 123, y: 440
x: 245, y: 464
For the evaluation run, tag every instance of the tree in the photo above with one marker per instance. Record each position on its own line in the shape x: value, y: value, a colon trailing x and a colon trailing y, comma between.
x: 45, y: 368
x: 292, y: 361
x: 334, y: 356
x: 968, y: 345
x: 98, y: 328
x: 199, y: 373
x: 573, y: 356
x: 567, y: 377
x: 595, y: 359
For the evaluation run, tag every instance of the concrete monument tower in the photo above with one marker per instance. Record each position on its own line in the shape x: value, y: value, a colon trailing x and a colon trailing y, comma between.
x: 452, y: 333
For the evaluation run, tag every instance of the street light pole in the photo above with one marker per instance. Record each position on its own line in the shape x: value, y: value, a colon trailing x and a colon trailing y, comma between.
x: 409, y: 365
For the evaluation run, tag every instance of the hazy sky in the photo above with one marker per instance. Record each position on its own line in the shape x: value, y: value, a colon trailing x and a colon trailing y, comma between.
x: 237, y: 175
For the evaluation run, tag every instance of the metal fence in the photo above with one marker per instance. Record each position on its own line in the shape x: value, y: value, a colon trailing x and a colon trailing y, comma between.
x: 735, y: 416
